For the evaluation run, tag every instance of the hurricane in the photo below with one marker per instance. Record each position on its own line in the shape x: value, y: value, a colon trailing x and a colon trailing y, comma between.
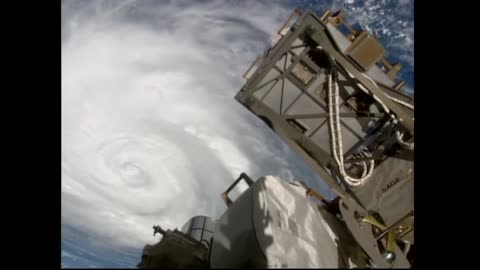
x: 151, y: 133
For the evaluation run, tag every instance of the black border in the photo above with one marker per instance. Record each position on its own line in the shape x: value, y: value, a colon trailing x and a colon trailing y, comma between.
x: 439, y: 130
x: 32, y: 114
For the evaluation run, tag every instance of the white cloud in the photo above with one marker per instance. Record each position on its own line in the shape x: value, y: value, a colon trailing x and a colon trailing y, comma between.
x: 151, y: 133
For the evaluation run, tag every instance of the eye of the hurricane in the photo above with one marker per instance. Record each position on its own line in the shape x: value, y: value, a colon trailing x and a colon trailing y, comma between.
x: 129, y: 161
x: 133, y: 175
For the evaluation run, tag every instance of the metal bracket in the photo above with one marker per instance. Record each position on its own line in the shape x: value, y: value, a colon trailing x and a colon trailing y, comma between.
x: 289, y: 22
x: 158, y: 229
x: 225, y: 197
x: 253, y: 67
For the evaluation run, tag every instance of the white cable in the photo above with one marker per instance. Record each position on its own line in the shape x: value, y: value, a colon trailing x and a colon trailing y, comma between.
x: 406, y: 104
x: 403, y: 143
x: 335, y: 128
x: 390, y: 97
x: 336, y: 137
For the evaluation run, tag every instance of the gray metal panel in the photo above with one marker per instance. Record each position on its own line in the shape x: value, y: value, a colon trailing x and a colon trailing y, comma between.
x: 379, y: 76
x: 207, y: 236
x: 322, y: 139
x: 271, y: 74
x: 319, y: 93
x: 199, y: 227
x: 349, y: 138
x: 198, y: 222
x: 374, y: 108
x: 262, y: 91
x: 299, y: 50
x: 341, y: 40
x: 352, y: 126
x: 348, y: 86
x: 317, y: 83
x: 305, y: 105
x: 281, y: 64
x: 290, y: 94
x: 289, y: 61
x: 210, y: 225
x: 274, y: 97
x: 394, y: 176
x: 196, y: 234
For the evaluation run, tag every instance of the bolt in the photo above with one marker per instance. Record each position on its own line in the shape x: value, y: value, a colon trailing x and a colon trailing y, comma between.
x: 389, y: 256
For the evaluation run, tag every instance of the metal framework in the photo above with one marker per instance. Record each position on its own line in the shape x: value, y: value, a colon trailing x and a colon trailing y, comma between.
x: 290, y: 88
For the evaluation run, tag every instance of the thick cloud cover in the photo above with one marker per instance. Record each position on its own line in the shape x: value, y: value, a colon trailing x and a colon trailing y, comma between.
x: 151, y: 133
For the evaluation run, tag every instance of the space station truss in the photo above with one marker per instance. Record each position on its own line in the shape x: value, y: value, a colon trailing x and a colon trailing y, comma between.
x: 328, y: 91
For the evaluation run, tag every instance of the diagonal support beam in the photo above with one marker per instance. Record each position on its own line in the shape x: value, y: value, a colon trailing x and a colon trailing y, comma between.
x: 322, y: 38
